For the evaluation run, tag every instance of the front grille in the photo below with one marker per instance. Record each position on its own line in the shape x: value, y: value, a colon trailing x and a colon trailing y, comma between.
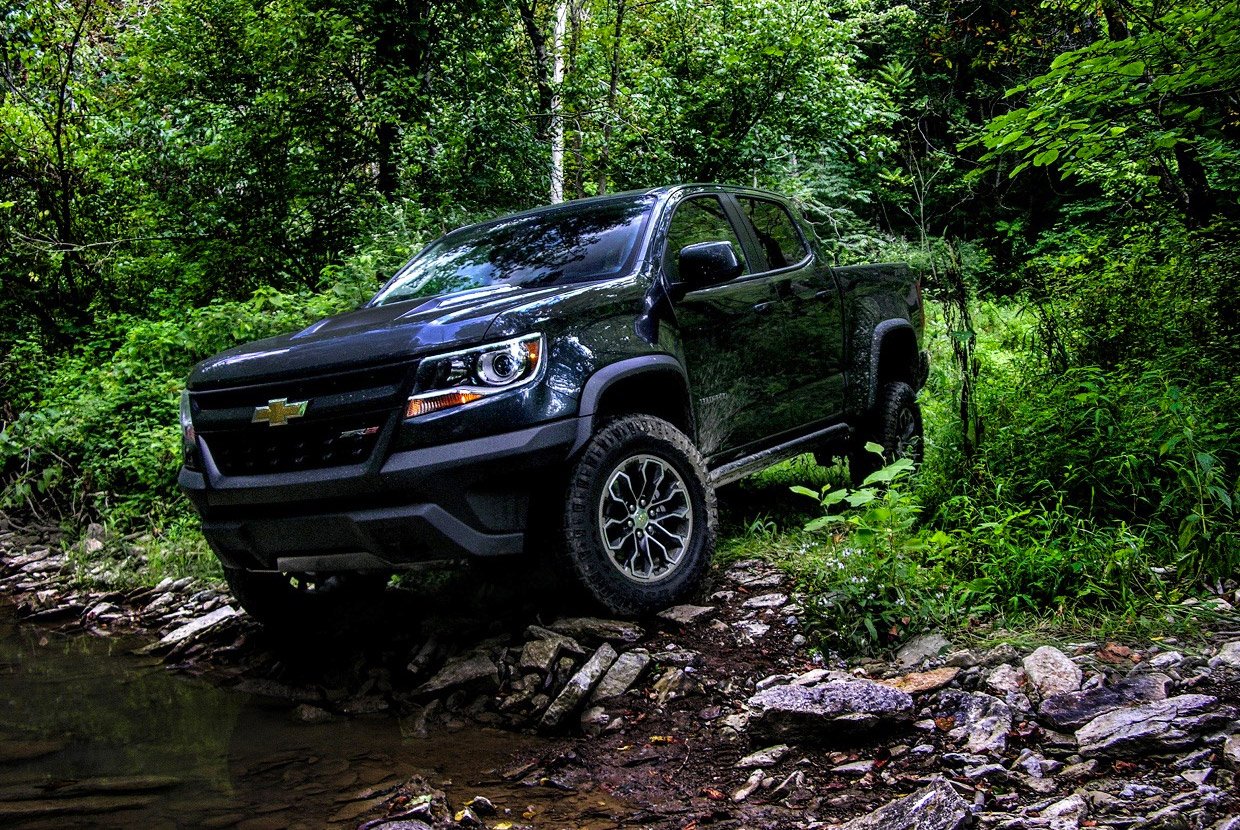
x: 294, y: 447
x: 342, y: 423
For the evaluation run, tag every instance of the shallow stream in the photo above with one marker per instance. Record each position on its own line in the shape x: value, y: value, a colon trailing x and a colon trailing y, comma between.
x: 92, y: 735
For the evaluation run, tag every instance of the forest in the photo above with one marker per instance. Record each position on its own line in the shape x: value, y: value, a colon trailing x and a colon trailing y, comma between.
x: 182, y: 176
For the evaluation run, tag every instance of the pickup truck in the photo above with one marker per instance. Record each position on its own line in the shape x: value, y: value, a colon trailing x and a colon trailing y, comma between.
x: 594, y: 369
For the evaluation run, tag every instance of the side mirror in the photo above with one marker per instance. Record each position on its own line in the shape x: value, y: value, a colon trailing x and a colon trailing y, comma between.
x: 706, y: 263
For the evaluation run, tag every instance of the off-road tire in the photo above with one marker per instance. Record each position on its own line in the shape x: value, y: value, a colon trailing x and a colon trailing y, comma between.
x: 304, y: 601
x: 896, y: 425
x: 585, y: 554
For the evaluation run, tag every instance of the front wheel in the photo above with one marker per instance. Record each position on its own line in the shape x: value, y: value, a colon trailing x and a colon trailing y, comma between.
x: 296, y: 601
x: 895, y: 425
x: 640, y: 518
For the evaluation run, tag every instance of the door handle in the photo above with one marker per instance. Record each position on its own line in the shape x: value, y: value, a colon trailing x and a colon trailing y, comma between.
x: 762, y: 308
x: 825, y: 294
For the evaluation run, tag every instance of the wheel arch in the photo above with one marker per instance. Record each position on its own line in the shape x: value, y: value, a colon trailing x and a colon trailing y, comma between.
x: 648, y: 385
x: 893, y: 356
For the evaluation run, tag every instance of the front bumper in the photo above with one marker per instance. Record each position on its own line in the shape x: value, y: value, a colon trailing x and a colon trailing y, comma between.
x: 470, y: 498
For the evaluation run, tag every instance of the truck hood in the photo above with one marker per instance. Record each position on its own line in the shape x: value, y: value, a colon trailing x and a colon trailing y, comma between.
x: 369, y: 335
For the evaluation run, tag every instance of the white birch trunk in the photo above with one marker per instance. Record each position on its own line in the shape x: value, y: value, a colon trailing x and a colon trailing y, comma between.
x: 557, y: 117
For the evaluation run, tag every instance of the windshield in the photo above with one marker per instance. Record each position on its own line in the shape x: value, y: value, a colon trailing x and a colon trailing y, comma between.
x: 562, y: 245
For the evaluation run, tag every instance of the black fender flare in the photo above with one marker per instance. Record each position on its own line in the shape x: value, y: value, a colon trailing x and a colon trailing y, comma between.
x: 882, y: 331
x: 599, y: 382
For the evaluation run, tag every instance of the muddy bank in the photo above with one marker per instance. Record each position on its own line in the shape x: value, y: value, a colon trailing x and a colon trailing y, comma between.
x: 714, y: 714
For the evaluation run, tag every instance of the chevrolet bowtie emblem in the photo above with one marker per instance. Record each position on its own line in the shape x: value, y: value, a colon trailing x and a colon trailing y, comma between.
x: 277, y: 413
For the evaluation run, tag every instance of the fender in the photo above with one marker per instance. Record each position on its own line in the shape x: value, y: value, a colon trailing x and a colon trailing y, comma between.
x: 881, y: 332
x: 611, y: 374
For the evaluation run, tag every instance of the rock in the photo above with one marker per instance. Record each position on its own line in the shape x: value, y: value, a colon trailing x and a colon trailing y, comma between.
x: 595, y: 630
x: 1076, y: 772
x: 1228, y: 655
x: 927, y: 646
x: 196, y: 627
x: 675, y: 656
x: 1005, y: 678
x: 921, y: 682
x: 475, y: 670
x: 578, y: 687
x: 539, y: 655
x: 1166, y: 660
x: 305, y: 713
x: 674, y: 683
x: 747, y: 789
x: 936, y: 807
x: 1073, y: 709
x: 844, y: 704
x: 92, y: 546
x: 856, y: 769
x: 537, y: 632
x: 1174, y: 723
x: 981, y: 720
x: 622, y: 675
x: 594, y: 720
x: 686, y: 614
x: 764, y: 758
x: 1051, y: 672
x: 775, y: 600
x: 750, y: 630
x: 1068, y: 813
x: 1231, y: 752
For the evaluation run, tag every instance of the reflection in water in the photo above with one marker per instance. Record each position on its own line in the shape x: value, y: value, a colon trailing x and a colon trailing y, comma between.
x: 92, y: 736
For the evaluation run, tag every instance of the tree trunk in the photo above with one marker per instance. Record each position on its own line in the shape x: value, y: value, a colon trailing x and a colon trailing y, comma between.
x: 557, y: 104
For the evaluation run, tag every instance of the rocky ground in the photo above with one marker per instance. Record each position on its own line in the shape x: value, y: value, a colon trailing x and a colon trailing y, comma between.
x: 717, y: 713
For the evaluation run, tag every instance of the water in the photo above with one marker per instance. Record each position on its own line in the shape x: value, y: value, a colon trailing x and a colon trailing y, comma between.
x: 91, y: 735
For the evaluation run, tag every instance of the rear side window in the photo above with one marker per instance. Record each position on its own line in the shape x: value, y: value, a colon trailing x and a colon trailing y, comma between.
x: 778, y: 238
x: 700, y: 219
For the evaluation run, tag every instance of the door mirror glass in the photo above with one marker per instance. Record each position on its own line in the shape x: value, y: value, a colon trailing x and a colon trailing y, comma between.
x: 707, y: 263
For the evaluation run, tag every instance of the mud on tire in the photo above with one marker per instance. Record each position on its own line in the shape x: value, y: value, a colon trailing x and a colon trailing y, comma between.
x: 640, y: 516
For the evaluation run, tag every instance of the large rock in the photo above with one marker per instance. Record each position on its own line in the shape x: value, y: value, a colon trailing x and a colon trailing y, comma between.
x: 476, y: 670
x: 578, y: 686
x: 982, y: 721
x: 936, y: 807
x: 1051, y: 672
x: 624, y: 672
x: 927, y: 646
x: 596, y: 630
x: 196, y: 627
x: 1228, y: 655
x: 1173, y: 723
x: 1073, y: 709
x: 919, y: 683
x: 841, y: 705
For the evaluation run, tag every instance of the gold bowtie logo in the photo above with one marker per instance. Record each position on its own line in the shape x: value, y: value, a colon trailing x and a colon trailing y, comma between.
x: 279, y: 412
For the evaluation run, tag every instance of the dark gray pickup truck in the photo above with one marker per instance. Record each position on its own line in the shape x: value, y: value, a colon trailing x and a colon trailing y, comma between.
x: 595, y: 368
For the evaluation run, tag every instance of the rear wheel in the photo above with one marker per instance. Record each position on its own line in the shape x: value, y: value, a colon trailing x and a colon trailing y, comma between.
x: 640, y: 518
x: 895, y: 425
x: 304, y: 600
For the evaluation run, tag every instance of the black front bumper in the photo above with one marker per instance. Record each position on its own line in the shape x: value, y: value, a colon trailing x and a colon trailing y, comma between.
x: 470, y: 498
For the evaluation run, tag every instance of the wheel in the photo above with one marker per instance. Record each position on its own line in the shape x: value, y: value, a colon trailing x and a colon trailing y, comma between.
x: 640, y: 518
x: 895, y: 425
x: 288, y: 601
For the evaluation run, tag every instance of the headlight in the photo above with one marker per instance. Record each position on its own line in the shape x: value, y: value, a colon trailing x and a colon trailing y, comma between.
x: 189, y: 438
x: 463, y: 377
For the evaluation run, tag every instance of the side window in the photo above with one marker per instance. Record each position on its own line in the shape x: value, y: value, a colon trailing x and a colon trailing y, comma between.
x: 700, y: 219
x: 777, y: 234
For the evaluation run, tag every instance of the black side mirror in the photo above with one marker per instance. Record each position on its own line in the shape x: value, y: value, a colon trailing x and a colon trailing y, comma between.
x: 706, y: 263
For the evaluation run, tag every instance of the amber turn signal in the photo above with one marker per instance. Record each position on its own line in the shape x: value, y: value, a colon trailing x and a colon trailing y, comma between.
x: 426, y: 404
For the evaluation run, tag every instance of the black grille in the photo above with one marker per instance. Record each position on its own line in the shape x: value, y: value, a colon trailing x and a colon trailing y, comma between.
x: 307, y: 446
x: 343, y: 419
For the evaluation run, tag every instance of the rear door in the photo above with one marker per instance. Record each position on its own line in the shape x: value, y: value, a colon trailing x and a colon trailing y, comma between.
x: 809, y: 313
